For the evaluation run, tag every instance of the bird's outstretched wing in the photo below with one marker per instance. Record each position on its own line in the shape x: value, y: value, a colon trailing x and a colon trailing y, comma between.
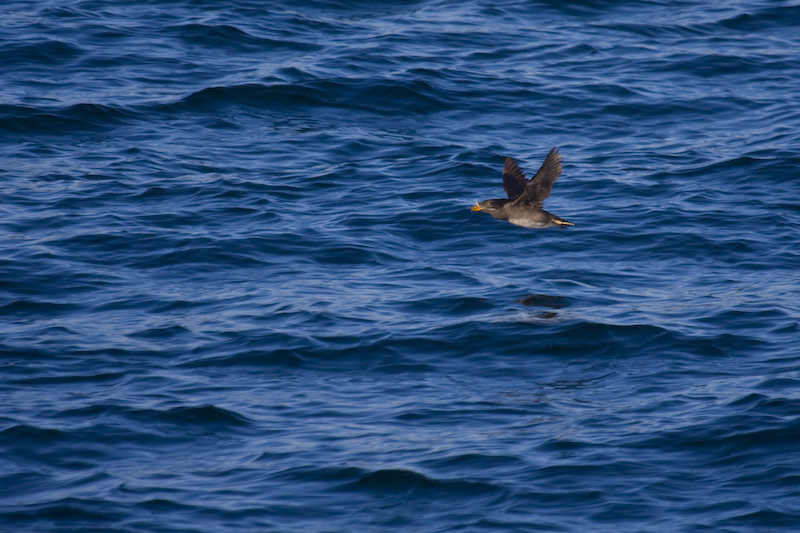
x: 513, y: 179
x: 539, y: 186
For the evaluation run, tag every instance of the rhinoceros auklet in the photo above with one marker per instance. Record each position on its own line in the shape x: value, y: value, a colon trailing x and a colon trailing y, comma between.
x: 525, y: 197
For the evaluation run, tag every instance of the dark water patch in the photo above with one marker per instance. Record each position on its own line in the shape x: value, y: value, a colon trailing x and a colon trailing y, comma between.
x: 412, y: 484
x: 28, y: 307
x: 375, y: 96
x: 233, y: 39
x: 208, y: 416
x: 258, y: 96
x: 73, y: 119
x: 764, y: 20
x: 769, y: 406
x: 779, y: 384
x: 722, y: 65
x: 64, y: 512
x: 64, y: 379
x: 763, y: 519
x: 450, y: 306
x: 31, y: 435
x: 660, y: 32
x: 256, y: 358
x: 733, y: 439
x: 161, y: 333
x: 41, y: 53
x: 474, y: 460
x: 198, y: 255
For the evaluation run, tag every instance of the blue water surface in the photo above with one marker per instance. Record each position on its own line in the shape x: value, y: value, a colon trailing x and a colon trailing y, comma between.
x: 242, y: 288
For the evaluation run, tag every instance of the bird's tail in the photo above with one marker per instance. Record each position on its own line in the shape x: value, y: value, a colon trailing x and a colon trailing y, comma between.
x: 562, y: 223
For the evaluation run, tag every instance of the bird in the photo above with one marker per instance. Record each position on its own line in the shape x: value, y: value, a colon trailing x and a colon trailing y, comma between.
x: 525, y: 197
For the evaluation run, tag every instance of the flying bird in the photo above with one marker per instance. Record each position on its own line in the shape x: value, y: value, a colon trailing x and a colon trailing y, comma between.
x: 525, y: 197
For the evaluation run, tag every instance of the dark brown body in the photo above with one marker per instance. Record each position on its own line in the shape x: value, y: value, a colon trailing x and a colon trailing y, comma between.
x: 521, y: 215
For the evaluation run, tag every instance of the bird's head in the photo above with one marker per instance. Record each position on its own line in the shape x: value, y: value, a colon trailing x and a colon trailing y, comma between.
x: 489, y: 205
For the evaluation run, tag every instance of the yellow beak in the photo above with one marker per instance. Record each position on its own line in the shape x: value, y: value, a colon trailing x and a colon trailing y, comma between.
x: 476, y: 207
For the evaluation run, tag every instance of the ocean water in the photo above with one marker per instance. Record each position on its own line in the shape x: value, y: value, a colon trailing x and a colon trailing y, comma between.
x: 242, y: 288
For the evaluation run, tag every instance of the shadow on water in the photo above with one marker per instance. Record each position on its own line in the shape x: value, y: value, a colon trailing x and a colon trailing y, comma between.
x: 545, y: 301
